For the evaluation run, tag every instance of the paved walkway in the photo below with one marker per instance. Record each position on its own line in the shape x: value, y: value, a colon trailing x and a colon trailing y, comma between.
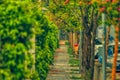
x: 59, y: 69
x: 62, y: 69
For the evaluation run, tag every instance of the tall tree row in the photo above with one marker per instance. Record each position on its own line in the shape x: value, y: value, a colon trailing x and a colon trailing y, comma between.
x: 85, y: 14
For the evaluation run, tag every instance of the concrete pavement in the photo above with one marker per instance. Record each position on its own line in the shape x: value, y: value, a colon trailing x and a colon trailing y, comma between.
x: 61, y: 69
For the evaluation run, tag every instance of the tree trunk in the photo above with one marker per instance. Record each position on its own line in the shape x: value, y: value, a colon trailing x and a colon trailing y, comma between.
x: 88, y: 57
x: 115, y: 53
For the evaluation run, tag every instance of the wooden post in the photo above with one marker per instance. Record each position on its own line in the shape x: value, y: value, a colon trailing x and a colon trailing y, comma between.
x: 70, y: 38
x: 73, y: 38
x: 115, y: 53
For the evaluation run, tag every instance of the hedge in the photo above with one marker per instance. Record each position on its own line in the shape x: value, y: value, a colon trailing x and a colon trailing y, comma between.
x: 19, y: 22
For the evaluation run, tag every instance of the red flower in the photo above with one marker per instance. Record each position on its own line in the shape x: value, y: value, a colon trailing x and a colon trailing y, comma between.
x: 118, y: 19
x: 67, y: 1
x: 90, y: 3
x: 118, y: 9
x: 102, y: 9
x: 75, y: 45
x: 103, y: 2
x: 113, y: 0
x: 107, y: 0
x: 80, y: 2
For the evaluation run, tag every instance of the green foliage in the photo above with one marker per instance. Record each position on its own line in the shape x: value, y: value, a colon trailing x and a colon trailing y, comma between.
x: 113, y: 13
x: 67, y: 17
x: 46, y: 43
x: 15, y: 32
x: 70, y: 50
x: 19, y: 22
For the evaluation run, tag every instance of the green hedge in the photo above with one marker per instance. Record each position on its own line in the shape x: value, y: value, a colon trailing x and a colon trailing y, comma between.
x: 45, y: 47
x: 19, y: 22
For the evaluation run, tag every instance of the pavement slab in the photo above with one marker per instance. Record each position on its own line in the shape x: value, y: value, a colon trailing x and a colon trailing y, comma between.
x: 61, y: 64
x: 61, y: 69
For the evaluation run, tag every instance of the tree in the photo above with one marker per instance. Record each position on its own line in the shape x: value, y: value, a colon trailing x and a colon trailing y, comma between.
x: 69, y: 13
x: 88, y: 14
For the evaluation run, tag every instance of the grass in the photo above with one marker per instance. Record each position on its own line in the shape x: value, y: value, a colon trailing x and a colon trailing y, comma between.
x: 67, y: 43
x: 73, y: 72
x: 73, y: 65
x: 76, y: 77
x: 70, y: 51
x: 74, y: 61
x: 74, y: 69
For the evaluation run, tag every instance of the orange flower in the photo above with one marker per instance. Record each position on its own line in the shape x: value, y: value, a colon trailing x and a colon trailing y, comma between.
x: 67, y: 1
x: 103, y: 2
x: 107, y: 0
x: 113, y: 0
x: 102, y: 9
x: 118, y: 19
x: 80, y: 2
x: 117, y: 29
x: 90, y: 3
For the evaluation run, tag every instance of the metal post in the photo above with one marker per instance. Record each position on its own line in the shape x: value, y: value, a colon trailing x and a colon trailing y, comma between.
x: 80, y: 51
x: 104, y: 49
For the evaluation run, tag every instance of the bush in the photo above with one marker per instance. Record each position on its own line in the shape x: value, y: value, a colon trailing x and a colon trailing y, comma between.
x: 15, y: 32
x: 19, y: 22
x: 46, y: 43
